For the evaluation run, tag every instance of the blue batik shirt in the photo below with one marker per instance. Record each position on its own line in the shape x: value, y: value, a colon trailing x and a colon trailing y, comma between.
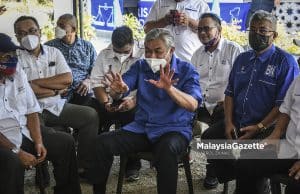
x: 80, y: 57
x: 259, y: 83
x: 156, y: 112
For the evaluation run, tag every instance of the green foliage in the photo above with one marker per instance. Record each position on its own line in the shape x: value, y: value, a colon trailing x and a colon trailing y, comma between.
x: 132, y: 22
x: 88, y: 30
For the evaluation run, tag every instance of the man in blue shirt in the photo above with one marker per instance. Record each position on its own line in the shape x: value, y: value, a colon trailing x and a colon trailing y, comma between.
x: 257, y: 85
x: 168, y: 93
x: 80, y: 56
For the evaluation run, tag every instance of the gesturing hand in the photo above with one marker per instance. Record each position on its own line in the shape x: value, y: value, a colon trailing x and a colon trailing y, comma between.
x: 165, y: 80
x: 115, y: 83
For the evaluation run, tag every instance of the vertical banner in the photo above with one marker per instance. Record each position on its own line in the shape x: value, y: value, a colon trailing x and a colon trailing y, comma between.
x: 144, y: 7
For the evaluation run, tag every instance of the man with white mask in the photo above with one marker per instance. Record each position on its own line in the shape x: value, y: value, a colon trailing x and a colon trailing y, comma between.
x: 49, y: 75
x: 166, y: 101
x: 117, y: 57
x: 80, y: 56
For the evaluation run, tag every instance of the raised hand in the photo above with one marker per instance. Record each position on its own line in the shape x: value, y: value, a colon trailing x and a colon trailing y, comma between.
x: 165, y: 80
x: 115, y: 83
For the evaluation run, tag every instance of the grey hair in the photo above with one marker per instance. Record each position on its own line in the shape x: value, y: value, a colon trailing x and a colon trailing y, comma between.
x: 70, y: 19
x: 262, y: 15
x: 162, y: 34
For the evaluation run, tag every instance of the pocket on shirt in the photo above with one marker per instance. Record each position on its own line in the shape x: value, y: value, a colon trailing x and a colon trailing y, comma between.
x: 192, y: 13
x: 266, y: 82
x: 223, y: 71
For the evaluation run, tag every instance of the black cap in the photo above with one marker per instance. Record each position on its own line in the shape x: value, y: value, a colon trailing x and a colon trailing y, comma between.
x: 6, y: 44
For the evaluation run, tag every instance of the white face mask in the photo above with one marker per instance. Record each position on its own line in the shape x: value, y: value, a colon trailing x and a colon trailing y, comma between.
x: 155, y: 63
x: 122, y: 57
x: 30, y: 42
x: 59, y: 32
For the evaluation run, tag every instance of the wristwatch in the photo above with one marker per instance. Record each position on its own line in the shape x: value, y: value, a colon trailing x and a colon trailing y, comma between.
x: 261, y: 126
x: 15, y: 150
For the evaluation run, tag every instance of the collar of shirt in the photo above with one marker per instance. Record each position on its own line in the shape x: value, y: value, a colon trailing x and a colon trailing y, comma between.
x: 219, y: 47
x: 78, y: 42
x: 264, y: 56
x: 43, y: 51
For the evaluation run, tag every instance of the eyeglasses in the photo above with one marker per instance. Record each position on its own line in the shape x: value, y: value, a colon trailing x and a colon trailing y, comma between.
x: 32, y: 31
x: 261, y: 31
x: 206, y: 29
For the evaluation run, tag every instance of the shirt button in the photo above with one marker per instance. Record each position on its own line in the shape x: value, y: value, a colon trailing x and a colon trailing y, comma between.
x: 5, y: 100
x: 246, y: 98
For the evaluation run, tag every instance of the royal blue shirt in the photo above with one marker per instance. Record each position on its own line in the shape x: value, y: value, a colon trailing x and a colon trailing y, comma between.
x: 258, y: 84
x: 156, y: 112
x: 80, y: 57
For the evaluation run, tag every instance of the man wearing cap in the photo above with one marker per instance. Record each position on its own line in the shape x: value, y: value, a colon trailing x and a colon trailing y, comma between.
x: 22, y: 143
x: 49, y: 75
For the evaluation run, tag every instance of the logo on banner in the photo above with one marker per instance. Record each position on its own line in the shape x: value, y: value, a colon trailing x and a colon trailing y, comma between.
x: 104, y: 17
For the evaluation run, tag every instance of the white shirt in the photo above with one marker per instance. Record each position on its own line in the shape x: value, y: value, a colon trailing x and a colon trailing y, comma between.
x: 16, y: 101
x: 214, y: 69
x: 49, y: 63
x: 290, y: 106
x: 186, y: 41
x: 107, y: 59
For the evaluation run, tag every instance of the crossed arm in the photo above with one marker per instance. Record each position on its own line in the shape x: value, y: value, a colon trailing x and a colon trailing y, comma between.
x: 46, y: 87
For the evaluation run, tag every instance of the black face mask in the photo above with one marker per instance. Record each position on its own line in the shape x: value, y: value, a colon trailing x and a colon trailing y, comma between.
x: 258, y: 42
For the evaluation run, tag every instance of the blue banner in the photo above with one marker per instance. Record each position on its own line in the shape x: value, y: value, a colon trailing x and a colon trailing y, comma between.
x: 144, y: 7
x: 234, y: 13
x: 230, y: 12
x: 106, y: 14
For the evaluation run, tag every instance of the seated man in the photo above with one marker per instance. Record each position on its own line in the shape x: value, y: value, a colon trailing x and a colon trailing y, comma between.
x: 213, y: 61
x: 250, y: 172
x: 168, y: 93
x: 117, y: 57
x: 21, y: 141
x: 80, y: 56
x: 256, y: 88
x: 49, y: 75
